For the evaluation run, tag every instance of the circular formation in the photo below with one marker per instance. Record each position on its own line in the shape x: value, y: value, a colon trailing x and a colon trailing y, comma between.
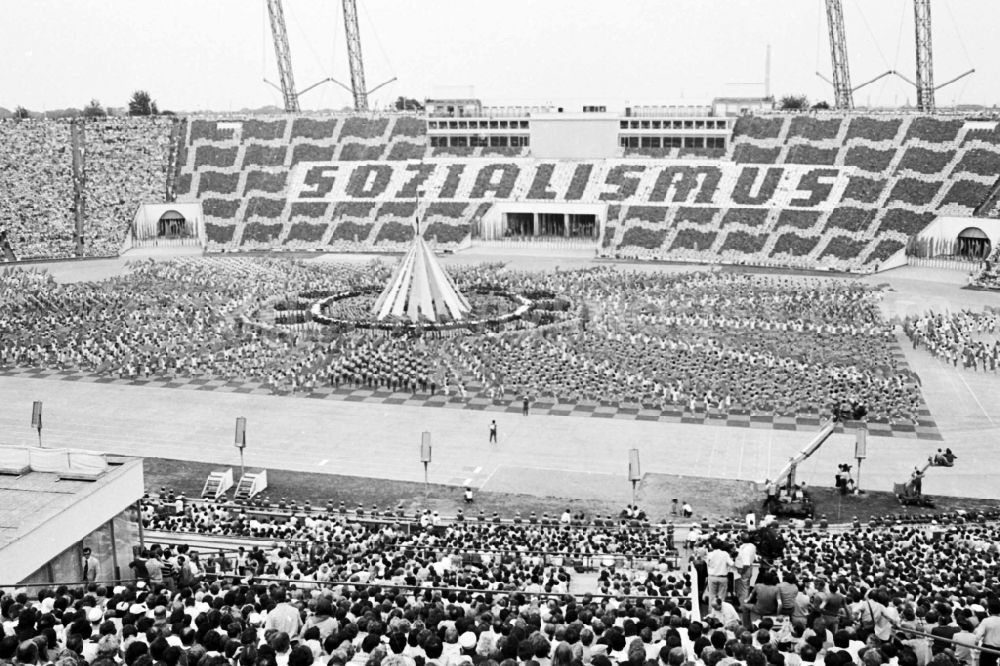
x: 346, y: 309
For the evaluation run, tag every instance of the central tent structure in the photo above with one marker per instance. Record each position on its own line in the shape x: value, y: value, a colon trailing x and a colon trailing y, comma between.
x: 420, y: 290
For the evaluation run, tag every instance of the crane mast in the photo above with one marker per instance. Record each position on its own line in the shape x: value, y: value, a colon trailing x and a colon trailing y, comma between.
x: 283, y: 55
x: 925, y: 56
x: 358, y: 86
x: 842, y: 94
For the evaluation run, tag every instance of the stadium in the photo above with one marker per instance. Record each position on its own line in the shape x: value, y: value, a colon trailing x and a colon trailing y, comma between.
x: 669, y: 384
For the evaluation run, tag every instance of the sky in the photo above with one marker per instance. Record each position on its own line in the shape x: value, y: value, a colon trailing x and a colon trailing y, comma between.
x: 214, y: 54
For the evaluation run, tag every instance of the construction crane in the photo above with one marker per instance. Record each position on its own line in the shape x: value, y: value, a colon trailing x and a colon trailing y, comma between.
x: 925, y: 59
x: 282, y: 52
x: 925, y: 55
x: 843, y: 96
x: 358, y: 87
x: 283, y: 55
x: 843, y: 93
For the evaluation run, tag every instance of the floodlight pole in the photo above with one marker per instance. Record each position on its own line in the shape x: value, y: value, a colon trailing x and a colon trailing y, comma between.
x: 634, y: 474
x: 425, y: 458
x: 36, y: 419
x: 860, y: 453
x: 241, y: 441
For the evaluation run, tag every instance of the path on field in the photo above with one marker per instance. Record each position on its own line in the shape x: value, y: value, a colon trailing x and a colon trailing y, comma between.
x: 538, y: 455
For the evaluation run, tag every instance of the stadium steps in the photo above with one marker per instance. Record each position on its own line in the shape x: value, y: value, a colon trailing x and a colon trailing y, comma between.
x: 770, y: 227
x: 841, y: 141
x: 990, y: 202
x: 377, y: 224
x: 716, y: 225
x: 945, y: 183
x: 782, y: 140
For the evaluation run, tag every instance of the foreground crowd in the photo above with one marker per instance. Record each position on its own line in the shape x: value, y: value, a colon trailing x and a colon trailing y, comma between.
x: 854, y: 597
x: 715, y: 342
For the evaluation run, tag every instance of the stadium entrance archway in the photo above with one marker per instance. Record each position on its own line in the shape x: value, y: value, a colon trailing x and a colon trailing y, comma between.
x: 579, y: 223
x: 973, y: 243
x: 157, y: 225
x: 173, y: 225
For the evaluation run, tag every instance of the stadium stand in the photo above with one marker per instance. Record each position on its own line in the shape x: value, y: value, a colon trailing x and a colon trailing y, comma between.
x: 906, y: 170
x: 126, y: 164
x: 296, y: 585
x: 894, y: 175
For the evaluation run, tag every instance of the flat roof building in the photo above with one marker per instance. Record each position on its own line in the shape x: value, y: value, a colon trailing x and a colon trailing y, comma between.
x: 55, y: 502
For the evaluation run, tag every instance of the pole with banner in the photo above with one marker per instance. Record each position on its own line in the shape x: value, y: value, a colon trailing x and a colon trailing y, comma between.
x: 36, y: 420
x: 633, y: 470
x: 425, y: 457
x: 860, y: 453
x: 241, y: 440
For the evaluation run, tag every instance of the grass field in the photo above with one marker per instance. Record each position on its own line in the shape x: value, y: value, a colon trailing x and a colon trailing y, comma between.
x: 713, y: 498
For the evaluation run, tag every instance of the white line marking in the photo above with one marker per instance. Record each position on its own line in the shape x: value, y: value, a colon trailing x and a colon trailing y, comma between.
x: 467, y: 482
x: 477, y: 470
x: 974, y: 397
x: 323, y: 461
x: 489, y: 476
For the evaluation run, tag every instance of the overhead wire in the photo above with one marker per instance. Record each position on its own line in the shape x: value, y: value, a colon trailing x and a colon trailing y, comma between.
x: 305, y: 37
x: 871, y: 34
x: 958, y: 35
x: 378, y: 42
x: 899, y: 35
x: 819, y: 29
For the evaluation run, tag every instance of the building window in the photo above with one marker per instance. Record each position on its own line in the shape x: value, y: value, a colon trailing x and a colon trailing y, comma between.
x: 439, y: 141
x: 623, y: 141
x: 633, y: 142
x: 645, y: 124
x: 715, y: 142
x: 459, y: 142
x: 524, y: 124
x: 622, y: 124
x: 503, y: 124
x: 635, y: 124
x: 656, y: 124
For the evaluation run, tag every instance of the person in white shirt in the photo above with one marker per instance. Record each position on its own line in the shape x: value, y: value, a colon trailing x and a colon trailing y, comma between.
x: 725, y: 613
x: 719, y: 563
x: 746, y: 557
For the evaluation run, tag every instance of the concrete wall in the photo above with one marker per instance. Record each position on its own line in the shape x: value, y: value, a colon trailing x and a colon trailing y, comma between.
x: 576, y: 136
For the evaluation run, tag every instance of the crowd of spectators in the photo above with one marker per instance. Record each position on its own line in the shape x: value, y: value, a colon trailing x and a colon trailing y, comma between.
x: 124, y: 164
x: 689, y: 341
x: 504, y: 551
x: 378, y: 596
x: 36, y: 179
x: 965, y: 337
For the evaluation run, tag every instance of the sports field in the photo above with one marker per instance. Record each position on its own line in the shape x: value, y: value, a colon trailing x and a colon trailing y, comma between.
x: 573, y: 456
